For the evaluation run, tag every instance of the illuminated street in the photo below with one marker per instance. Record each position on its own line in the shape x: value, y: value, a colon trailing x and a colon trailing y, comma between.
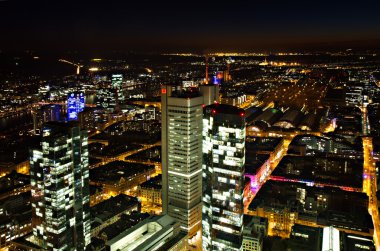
x: 370, y: 187
x: 121, y: 157
x: 273, y: 165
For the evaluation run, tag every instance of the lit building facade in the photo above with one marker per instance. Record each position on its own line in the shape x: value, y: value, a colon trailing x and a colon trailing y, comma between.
x: 182, y: 114
x: 117, y: 84
x: 75, y: 105
x: 223, y: 177
x: 60, y: 188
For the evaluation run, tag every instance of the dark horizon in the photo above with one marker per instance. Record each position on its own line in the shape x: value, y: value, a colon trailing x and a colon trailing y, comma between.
x: 94, y: 27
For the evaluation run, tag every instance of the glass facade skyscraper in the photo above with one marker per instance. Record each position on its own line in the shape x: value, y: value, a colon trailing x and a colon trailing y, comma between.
x: 75, y: 105
x: 60, y: 188
x: 117, y: 85
x: 223, y: 177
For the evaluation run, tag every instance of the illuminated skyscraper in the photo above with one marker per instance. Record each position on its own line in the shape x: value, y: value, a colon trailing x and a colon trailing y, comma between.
x: 223, y: 177
x: 182, y: 154
x: 60, y: 188
x: 116, y: 80
x: 75, y: 105
x: 109, y: 95
x: 117, y: 85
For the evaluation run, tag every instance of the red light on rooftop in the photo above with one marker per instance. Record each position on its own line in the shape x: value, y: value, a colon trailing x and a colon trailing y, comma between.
x: 163, y: 91
x: 219, y: 75
x: 242, y: 114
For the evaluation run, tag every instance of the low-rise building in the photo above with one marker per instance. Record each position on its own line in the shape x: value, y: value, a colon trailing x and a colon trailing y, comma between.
x: 109, y: 211
x: 155, y: 233
x: 150, y: 191
x: 119, y: 176
x: 255, y: 228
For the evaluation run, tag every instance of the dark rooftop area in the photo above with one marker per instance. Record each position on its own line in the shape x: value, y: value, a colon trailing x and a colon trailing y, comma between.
x: 115, y: 170
x: 337, y: 209
x: 113, y: 206
x: 155, y: 182
x: 265, y: 144
x: 325, y: 170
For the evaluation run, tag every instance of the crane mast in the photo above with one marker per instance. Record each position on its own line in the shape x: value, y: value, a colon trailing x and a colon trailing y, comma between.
x: 72, y: 63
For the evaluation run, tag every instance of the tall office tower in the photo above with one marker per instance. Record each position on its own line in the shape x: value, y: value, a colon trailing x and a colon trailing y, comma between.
x: 210, y: 94
x: 75, y: 105
x: 45, y: 114
x: 223, y: 177
x: 60, y: 188
x: 182, y: 155
x: 117, y: 85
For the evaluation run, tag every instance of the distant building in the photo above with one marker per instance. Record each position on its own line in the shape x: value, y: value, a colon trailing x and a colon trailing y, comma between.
x: 223, y: 177
x: 60, y: 188
x: 45, y: 114
x: 117, y: 84
x: 232, y: 98
x: 106, y: 97
x: 88, y: 119
x: 75, y: 105
x: 354, y: 94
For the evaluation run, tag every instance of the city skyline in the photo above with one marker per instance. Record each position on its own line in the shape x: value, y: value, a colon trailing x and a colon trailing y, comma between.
x: 186, y: 126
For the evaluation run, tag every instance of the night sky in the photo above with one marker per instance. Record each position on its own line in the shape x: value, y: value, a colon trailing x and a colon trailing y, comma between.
x: 188, y: 25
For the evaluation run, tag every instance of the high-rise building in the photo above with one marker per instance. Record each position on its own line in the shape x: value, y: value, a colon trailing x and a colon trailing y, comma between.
x: 109, y: 95
x: 117, y: 84
x: 182, y: 154
x: 60, y: 188
x: 75, y: 105
x: 223, y: 177
x: 106, y: 98
x: 45, y: 114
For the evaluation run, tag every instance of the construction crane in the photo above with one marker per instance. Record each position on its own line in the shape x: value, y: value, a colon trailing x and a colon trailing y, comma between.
x: 227, y: 76
x: 206, y: 73
x: 68, y: 62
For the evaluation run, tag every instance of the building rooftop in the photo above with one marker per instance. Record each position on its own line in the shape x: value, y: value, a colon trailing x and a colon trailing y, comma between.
x: 13, y: 181
x: 116, y: 170
x: 331, y: 206
x: 267, y: 118
x: 113, y: 206
x: 351, y: 242
x: 262, y: 144
x: 254, y: 161
x: 333, y: 171
x: 305, y: 238
x: 94, y: 189
x: 125, y: 222
x: 155, y: 182
x: 127, y: 240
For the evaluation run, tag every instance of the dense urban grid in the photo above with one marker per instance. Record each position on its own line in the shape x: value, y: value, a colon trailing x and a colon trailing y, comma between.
x: 213, y: 151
